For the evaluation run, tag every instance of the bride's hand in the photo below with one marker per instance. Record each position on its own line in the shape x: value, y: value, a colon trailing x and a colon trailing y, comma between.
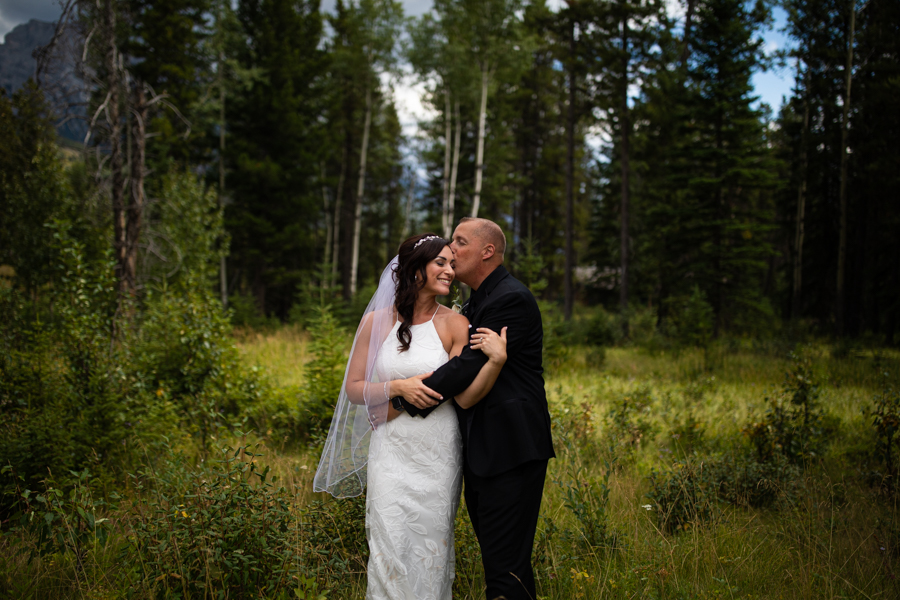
x: 493, y: 345
x: 380, y: 418
x: 415, y: 392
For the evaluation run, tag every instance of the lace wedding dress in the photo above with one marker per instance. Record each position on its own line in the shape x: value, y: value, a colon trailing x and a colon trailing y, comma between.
x: 414, y: 474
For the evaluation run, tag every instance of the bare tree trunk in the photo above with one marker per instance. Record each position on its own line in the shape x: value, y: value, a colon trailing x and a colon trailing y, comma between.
x: 454, y: 167
x: 328, y: 226
x: 479, y: 152
x: 336, y: 237
x: 223, y: 273
x: 360, y: 190
x: 845, y: 127
x: 625, y: 123
x: 136, y: 186
x: 446, y: 217
x: 117, y: 182
x: 568, y: 283
x: 797, y: 296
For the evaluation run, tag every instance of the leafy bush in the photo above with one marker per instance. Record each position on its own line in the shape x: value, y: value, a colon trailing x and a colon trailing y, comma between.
x: 325, y: 372
x: 185, y: 232
x: 627, y: 420
x: 49, y: 521
x: 557, y: 335
x: 793, y: 424
x: 886, y: 422
x: 603, y: 329
x: 587, y: 498
x: 688, y: 435
x: 690, y: 319
x: 681, y: 497
x: 335, y: 536
x: 184, y: 354
x: 222, y: 527
x: 68, y: 398
x: 742, y: 480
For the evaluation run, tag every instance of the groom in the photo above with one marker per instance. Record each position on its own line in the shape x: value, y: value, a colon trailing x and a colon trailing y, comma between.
x: 506, y: 436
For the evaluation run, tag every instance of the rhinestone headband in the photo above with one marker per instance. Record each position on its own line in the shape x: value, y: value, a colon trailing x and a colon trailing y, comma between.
x: 425, y: 239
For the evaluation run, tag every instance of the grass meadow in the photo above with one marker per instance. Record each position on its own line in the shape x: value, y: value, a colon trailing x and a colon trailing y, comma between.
x: 657, y: 490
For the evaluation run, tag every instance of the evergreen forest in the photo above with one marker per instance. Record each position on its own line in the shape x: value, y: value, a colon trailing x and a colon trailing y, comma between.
x: 197, y: 198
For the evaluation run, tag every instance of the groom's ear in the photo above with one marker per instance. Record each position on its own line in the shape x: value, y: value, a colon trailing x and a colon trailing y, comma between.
x: 488, y: 251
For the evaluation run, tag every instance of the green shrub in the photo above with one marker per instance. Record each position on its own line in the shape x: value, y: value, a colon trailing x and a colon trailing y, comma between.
x: 220, y: 528
x: 313, y: 293
x: 603, y: 329
x: 680, y: 496
x: 69, y: 400
x: 628, y: 422
x: 184, y: 354
x: 587, y: 498
x: 335, y: 537
x: 51, y: 521
x: 885, y: 416
x: 690, y: 319
x: 325, y: 372
x: 742, y: 480
x: 688, y: 435
x: 557, y: 334
x: 793, y: 424
x: 244, y: 311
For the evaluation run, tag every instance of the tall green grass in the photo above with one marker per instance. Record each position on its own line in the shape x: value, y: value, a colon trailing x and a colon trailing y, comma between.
x: 834, y: 536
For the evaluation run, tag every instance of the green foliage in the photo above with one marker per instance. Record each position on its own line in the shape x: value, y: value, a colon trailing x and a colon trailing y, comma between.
x: 529, y: 267
x: 688, y: 435
x: 336, y: 536
x: 67, y: 395
x: 885, y: 416
x: 603, y: 328
x: 221, y: 527
x: 184, y: 354
x: 742, y: 480
x: 32, y: 187
x: 557, y: 334
x: 587, y: 498
x: 628, y: 423
x: 690, y: 319
x: 186, y: 236
x: 316, y: 292
x: 793, y: 424
x: 325, y: 372
x: 58, y: 523
x: 680, y: 496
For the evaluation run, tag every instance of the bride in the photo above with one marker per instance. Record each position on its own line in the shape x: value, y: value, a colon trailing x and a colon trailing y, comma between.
x: 412, y: 465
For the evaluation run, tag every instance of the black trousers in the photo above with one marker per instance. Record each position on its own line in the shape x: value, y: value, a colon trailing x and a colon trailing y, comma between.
x: 504, y: 512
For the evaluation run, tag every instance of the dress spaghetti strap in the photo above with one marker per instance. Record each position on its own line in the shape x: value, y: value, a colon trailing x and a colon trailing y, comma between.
x: 435, y: 312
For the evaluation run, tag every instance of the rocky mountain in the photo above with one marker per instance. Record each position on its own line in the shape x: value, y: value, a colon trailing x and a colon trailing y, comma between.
x: 62, y: 87
x: 16, y: 61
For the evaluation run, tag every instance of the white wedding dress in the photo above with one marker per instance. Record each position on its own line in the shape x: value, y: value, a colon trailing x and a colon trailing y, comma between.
x: 414, y: 475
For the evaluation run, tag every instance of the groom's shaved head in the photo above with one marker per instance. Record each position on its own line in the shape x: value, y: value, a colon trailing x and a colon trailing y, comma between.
x: 488, y: 232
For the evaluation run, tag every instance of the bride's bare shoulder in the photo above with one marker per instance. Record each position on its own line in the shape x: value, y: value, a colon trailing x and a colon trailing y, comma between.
x: 380, y: 318
x: 454, y: 323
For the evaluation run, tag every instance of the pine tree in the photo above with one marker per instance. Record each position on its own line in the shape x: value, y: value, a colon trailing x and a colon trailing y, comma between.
x: 272, y: 158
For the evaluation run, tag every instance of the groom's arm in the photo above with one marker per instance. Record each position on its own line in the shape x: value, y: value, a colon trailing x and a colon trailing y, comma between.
x: 508, y: 310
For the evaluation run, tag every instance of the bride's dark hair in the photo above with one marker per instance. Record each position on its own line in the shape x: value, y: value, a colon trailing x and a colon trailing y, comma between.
x: 414, y: 255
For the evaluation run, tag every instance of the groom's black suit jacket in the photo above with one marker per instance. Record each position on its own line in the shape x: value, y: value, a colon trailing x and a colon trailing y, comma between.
x: 511, y: 424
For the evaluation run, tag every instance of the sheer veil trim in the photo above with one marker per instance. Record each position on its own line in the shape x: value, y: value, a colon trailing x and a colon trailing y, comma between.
x: 342, y: 467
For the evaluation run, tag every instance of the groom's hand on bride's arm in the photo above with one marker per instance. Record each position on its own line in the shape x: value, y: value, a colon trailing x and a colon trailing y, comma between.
x: 415, y: 392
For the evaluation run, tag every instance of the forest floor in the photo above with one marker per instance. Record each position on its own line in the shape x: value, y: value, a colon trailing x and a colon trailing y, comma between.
x: 659, y: 490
